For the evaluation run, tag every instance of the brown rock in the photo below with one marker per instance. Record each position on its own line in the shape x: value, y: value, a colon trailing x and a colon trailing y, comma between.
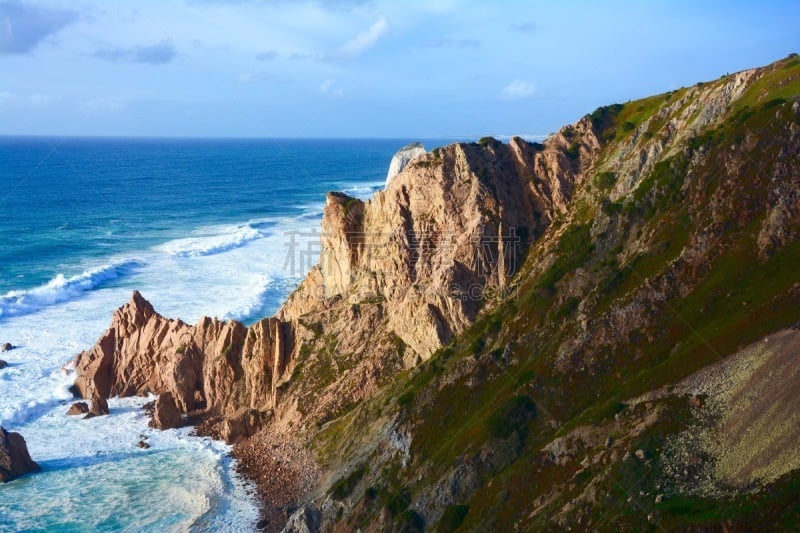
x: 15, y: 460
x: 166, y: 414
x: 78, y: 408
x: 142, y: 444
x: 241, y: 425
x: 99, y: 405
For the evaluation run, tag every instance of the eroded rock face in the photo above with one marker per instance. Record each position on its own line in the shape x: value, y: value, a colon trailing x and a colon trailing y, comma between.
x: 214, y: 368
x: 446, y: 235
x: 15, y: 461
x: 166, y: 414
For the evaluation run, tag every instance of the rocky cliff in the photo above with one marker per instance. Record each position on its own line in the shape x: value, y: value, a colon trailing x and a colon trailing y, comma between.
x: 502, y: 337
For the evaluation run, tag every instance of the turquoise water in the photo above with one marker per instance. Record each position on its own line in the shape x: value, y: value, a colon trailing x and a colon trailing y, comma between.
x: 200, y: 227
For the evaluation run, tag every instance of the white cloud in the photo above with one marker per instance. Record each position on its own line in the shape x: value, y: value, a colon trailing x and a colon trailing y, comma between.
x: 326, y: 86
x: 42, y: 99
x: 362, y: 42
x: 106, y: 103
x: 518, y: 89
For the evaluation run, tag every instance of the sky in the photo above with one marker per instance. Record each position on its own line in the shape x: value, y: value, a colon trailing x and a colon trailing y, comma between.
x: 361, y: 68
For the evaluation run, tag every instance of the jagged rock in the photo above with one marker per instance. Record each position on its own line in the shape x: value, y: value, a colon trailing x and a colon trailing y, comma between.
x: 166, y: 414
x: 402, y: 157
x: 15, y: 460
x: 142, y: 444
x: 143, y: 352
x: 3, y: 364
x: 6, y: 346
x: 99, y: 405
x: 78, y: 408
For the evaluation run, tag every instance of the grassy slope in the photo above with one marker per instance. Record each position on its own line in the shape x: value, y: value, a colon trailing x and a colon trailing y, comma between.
x: 735, y: 299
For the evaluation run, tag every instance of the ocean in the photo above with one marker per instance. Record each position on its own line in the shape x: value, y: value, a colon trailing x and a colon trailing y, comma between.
x: 209, y: 227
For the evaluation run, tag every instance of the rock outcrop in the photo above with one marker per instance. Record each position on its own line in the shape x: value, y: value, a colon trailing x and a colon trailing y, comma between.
x: 78, y: 408
x: 214, y: 368
x: 402, y: 157
x: 99, y: 406
x: 166, y: 414
x: 15, y: 460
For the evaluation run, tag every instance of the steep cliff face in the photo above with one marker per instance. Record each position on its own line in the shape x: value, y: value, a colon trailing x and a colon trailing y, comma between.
x: 446, y: 236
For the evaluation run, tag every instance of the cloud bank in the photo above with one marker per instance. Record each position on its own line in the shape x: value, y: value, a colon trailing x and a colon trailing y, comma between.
x: 156, y: 54
x: 24, y: 25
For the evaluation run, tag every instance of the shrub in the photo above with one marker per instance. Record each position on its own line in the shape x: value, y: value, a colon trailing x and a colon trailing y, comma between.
x: 398, y: 501
x: 453, y: 517
x: 628, y: 125
x: 405, y: 399
x: 605, y: 180
x: 512, y: 416
x: 344, y: 487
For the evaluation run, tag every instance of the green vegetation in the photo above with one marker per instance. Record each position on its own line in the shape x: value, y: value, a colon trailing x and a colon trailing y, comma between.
x: 345, y: 486
x: 512, y: 417
x: 605, y: 180
x: 572, y: 251
x: 452, y: 518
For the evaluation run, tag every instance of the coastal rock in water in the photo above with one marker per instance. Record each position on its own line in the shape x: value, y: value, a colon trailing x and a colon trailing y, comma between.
x: 15, y: 460
x: 166, y: 414
x: 5, y: 347
x: 215, y: 368
x: 99, y: 405
x: 3, y: 364
x: 402, y: 157
x: 78, y: 408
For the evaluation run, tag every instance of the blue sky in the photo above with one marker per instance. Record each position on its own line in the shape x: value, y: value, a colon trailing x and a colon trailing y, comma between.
x: 361, y: 68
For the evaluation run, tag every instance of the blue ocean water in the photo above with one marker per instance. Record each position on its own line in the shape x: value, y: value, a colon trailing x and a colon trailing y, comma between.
x: 200, y: 227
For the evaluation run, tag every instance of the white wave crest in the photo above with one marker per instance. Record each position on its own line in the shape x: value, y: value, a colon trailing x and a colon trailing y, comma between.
x: 204, y: 245
x: 61, y: 289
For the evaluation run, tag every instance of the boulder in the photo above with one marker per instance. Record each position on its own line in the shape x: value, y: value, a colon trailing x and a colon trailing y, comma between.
x: 6, y: 346
x: 3, y: 364
x: 99, y: 405
x: 78, y: 408
x: 166, y: 414
x: 15, y: 461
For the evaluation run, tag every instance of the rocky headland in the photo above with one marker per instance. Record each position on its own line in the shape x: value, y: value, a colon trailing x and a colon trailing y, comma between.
x: 519, y: 316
